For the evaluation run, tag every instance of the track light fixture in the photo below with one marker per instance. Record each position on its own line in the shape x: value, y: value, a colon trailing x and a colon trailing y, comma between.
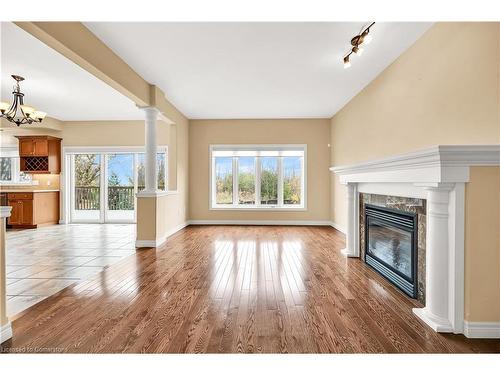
x: 360, y: 40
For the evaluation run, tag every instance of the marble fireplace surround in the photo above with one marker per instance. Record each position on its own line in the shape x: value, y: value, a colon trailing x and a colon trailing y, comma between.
x: 437, y: 174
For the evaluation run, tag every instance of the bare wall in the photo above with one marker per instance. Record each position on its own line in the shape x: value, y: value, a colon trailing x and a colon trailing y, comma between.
x: 313, y: 132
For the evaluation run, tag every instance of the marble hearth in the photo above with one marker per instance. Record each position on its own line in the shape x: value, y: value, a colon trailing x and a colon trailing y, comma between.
x: 436, y: 175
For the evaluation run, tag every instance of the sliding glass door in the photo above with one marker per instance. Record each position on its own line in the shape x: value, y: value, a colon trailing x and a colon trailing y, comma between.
x: 86, y: 190
x: 120, y: 188
x: 104, y: 185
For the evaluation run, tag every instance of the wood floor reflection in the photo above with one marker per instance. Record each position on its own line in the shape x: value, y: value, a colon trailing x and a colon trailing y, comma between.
x: 229, y: 289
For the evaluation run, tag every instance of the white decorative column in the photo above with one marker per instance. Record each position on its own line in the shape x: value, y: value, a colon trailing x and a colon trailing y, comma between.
x: 151, y: 114
x: 150, y: 202
x: 352, y: 231
x: 5, y: 327
x: 437, y: 312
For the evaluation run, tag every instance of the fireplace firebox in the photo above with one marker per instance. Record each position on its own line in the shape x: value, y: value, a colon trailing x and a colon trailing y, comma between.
x: 391, y: 246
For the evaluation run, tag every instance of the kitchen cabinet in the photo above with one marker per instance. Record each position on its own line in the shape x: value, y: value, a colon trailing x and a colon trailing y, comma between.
x: 39, y: 154
x: 29, y: 210
x: 33, y: 146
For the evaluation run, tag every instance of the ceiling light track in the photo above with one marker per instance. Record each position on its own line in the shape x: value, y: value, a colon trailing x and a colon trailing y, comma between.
x: 358, y: 42
x: 17, y: 112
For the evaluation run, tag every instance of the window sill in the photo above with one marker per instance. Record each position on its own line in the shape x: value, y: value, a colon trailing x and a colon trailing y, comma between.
x: 260, y: 208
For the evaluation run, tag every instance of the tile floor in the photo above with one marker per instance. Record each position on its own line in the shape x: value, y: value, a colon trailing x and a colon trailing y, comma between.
x: 42, y: 261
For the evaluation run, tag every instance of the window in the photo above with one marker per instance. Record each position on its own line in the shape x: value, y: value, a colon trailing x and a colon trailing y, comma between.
x: 269, y: 180
x: 257, y: 177
x: 224, y: 180
x: 5, y: 169
x: 9, y: 168
x: 292, y: 179
x: 161, y: 168
x: 246, y: 180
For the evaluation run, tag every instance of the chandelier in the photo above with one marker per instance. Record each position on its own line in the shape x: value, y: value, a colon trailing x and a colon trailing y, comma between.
x: 17, y: 112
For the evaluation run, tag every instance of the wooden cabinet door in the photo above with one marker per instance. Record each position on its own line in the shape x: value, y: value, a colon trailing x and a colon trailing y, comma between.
x: 15, y: 213
x: 26, y: 207
x: 40, y: 147
x: 26, y: 147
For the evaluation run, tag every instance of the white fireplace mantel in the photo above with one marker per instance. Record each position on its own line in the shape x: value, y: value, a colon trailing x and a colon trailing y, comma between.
x: 437, y: 174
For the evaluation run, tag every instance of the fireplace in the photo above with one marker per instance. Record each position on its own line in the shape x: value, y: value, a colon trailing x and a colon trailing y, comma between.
x: 391, y: 246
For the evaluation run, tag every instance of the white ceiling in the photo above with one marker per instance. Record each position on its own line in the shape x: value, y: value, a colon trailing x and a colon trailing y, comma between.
x: 256, y: 70
x: 56, y: 85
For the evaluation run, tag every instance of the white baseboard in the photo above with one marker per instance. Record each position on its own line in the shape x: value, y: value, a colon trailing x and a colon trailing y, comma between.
x: 160, y: 241
x: 258, y: 222
x: 482, y: 330
x: 151, y: 243
x: 338, y: 227
x: 177, y: 228
x: 5, y: 332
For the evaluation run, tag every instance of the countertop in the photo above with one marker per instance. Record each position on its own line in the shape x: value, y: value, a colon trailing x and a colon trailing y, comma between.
x: 2, y: 190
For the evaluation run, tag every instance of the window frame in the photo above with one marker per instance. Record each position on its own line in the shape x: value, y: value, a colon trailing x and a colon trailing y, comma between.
x: 258, y: 149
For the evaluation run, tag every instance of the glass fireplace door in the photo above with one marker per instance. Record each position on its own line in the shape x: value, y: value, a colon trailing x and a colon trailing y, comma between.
x: 390, y: 245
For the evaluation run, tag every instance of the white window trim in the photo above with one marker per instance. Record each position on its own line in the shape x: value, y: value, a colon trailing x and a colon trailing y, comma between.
x: 257, y: 207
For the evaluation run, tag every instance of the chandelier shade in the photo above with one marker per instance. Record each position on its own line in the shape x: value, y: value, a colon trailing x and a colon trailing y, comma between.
x: 17, y: 112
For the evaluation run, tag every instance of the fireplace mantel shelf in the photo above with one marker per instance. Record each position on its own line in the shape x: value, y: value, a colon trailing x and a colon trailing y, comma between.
x: 437, y: 164
x: 437, y: 174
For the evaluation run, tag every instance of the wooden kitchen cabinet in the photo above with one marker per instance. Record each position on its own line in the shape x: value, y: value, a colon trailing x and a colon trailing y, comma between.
x: 39, y: 154
x: 30, y: 210
x: 33, y: 146
x: 26, y: 147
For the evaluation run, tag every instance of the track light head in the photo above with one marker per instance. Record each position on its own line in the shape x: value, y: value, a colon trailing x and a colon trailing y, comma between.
x: 347, y: 63
x: 366, y: 39
x: 357, y: 50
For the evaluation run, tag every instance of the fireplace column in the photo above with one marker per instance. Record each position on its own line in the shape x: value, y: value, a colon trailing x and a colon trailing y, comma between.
x: 436, y: 312
x: 352, y: 231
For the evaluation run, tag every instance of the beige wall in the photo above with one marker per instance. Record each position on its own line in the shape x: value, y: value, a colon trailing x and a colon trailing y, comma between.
x: 313, y: 132
x: 482, y: 245
x: 445, y: 89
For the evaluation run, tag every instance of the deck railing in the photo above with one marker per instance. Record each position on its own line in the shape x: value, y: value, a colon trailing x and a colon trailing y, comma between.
x: 119, y: 198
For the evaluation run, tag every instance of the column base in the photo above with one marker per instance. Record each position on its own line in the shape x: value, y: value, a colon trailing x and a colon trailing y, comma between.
x: 150, y: 243
x: 5, y: 332
x: 437, y: 323
x: 348, y: 254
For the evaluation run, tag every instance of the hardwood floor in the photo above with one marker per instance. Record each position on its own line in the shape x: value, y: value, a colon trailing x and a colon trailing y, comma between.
x: 229, y: 289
